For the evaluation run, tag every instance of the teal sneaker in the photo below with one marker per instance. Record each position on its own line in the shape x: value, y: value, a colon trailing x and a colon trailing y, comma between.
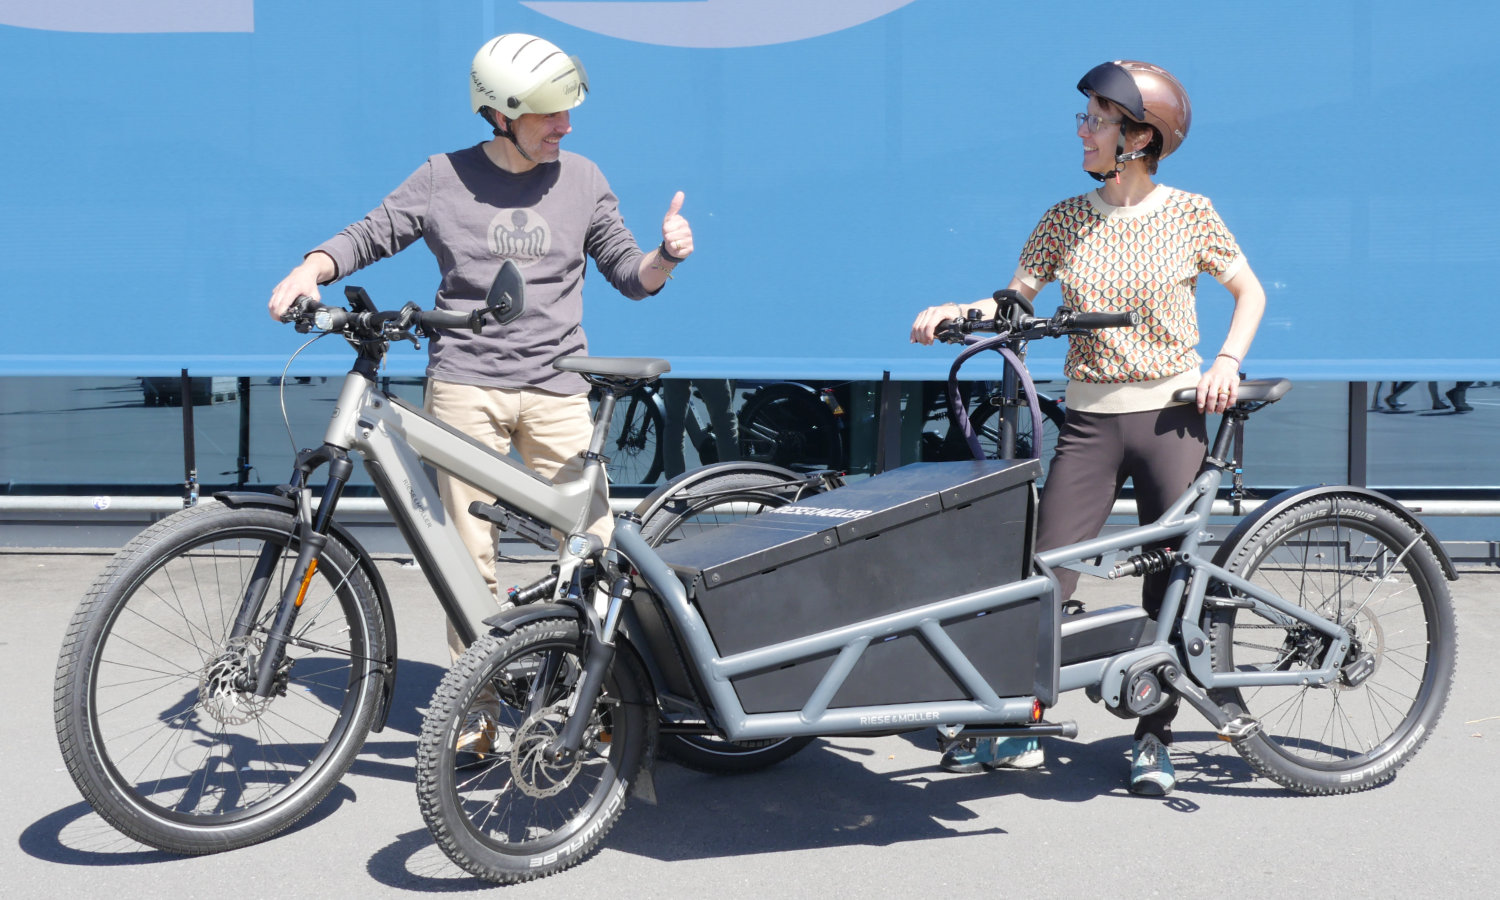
x: 976, y: 755
x: 1151, y: 772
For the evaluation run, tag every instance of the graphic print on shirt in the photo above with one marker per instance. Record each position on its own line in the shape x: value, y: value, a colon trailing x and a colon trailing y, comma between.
x: 521, y: 235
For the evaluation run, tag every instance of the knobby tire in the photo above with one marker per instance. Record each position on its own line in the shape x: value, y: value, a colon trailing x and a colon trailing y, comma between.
x: 1362, y: 565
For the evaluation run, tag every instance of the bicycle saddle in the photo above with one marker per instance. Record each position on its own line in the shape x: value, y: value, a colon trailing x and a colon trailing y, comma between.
x: 1253, y: 390
x: 631, y: 367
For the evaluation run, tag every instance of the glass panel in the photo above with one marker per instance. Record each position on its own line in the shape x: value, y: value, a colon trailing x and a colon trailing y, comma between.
x: 1299, y: 439
x: 69, y: 434
x: 1419, y: 437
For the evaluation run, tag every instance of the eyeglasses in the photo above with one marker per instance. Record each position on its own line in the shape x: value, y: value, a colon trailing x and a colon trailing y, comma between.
x: 1092, y: 122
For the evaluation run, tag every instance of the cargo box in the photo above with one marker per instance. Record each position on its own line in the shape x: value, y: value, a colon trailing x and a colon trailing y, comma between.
x: 906, y: 538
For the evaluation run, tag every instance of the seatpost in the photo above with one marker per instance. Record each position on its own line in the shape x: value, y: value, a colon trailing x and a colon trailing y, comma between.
x: 1230, y: 426
x: 602, y: 418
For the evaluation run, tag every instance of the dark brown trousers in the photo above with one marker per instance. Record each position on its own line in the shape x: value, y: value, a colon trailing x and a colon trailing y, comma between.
x: 1160, y: 452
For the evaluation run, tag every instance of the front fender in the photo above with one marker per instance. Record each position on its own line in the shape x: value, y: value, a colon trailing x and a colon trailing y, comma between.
x: 509, y: 620
x: 1292, y: 496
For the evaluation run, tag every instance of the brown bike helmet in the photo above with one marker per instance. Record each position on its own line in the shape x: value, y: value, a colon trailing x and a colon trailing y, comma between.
x: 1148, y: 94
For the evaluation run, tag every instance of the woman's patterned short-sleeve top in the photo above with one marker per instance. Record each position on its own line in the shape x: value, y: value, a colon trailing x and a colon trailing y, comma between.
x: 1145, y: 258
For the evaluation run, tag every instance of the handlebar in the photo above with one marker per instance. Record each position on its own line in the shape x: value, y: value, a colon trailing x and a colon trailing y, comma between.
x: 1023, y: 327
x: 365, y: 322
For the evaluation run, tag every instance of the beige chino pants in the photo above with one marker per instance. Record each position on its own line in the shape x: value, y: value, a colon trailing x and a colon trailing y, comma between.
x: 549, y: 431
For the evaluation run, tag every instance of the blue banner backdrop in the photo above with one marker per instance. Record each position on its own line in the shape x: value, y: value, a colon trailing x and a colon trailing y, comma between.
x: 845, y: 163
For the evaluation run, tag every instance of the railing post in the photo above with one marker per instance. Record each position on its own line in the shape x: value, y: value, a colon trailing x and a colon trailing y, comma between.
x: 1359, y: 420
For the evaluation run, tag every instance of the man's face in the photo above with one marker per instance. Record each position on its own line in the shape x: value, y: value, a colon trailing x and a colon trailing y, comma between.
x: 539, y: 135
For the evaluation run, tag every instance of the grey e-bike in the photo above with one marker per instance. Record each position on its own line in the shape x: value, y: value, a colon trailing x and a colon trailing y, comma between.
x: 1318, y: 639
x: 223, y: 671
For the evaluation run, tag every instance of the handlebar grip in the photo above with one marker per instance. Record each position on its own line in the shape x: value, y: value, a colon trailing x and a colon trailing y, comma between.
x: 950, y: 332
x: 444, y: 319
x: 1104, y: 320
x: 300, y: 306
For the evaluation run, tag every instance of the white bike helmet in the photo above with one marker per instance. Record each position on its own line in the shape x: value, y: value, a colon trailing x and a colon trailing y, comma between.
x: 515, y: 74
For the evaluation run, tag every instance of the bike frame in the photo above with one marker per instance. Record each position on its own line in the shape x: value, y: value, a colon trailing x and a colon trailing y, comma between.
x: 1185, y: 523
x: 396, y: 441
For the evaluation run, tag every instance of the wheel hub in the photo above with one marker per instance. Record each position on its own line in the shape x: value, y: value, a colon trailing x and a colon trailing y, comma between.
x: 1366, y: 650
x: 534, y: 773
x: 218, y: 694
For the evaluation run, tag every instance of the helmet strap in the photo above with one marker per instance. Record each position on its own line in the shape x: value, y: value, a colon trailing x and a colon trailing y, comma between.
x: 509, y: 134
x: 1122, y: 157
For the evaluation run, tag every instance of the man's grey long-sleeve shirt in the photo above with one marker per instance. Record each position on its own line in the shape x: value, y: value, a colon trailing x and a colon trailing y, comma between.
x: 474, y: 215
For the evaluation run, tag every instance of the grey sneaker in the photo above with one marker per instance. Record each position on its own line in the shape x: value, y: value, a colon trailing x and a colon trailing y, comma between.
x: 1151, y: 772
x: 993, y: 753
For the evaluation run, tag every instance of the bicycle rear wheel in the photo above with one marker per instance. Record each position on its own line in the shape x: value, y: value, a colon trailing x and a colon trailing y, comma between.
x: 635, y: 434
x: 1357, y: 563
x: 154, y: 725
x: 789, y: 425
x: 986, y: 423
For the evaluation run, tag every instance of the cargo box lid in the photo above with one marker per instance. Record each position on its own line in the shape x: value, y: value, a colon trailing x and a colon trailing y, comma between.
x: 817, y: 524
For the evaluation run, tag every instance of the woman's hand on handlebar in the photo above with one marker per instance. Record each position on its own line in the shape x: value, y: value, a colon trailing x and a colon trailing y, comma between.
x: 924, y: 329
x: 1218, y: 388
x: 302, y: 281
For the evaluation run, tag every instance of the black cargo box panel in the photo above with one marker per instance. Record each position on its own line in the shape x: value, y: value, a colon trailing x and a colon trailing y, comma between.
x: 905, y: 538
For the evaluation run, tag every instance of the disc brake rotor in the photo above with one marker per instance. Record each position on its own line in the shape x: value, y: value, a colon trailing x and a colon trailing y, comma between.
x: 217, y: 692
x: 534, y: 774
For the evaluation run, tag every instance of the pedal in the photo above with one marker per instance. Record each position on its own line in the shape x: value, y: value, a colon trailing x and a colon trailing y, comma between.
x: 1239, y: 728
x: 522, y: 526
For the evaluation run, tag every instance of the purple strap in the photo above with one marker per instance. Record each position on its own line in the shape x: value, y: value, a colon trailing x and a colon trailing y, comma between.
x: 961, y: 415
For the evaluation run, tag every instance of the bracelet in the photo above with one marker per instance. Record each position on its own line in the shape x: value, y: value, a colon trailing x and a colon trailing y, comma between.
x: 665, y: 254
x: 666, y: 269
x: 1237, y: 360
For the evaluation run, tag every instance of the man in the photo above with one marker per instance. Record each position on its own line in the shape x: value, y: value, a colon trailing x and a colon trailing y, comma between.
x: 518, y: 196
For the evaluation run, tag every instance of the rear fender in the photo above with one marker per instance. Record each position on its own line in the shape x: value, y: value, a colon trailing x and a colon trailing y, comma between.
x: 658, y: 498
x: 1293, y: 496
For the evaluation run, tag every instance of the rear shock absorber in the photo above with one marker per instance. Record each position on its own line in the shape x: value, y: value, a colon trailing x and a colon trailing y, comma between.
x: 1148, y: 563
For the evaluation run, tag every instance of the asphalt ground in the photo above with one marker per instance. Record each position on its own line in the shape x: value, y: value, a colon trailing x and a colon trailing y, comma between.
x: 871, y: 817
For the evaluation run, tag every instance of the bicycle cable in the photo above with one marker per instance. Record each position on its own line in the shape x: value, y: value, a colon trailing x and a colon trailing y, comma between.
x: 281, y: 388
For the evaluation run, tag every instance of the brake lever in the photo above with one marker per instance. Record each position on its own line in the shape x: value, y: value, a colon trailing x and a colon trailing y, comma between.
x: 950, y: 331
x: 400, y: 328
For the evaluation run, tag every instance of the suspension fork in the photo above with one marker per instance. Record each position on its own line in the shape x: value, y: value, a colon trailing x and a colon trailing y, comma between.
x: 312, y: 537
x: 598, y: 656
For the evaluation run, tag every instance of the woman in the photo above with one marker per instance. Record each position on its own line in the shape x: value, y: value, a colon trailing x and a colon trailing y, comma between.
x: 1132, y: 244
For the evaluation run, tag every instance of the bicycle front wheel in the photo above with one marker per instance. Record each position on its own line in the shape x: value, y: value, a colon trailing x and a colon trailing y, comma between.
x: 1357, y: 563
x: 154, y: 723
x: 501, y: 809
